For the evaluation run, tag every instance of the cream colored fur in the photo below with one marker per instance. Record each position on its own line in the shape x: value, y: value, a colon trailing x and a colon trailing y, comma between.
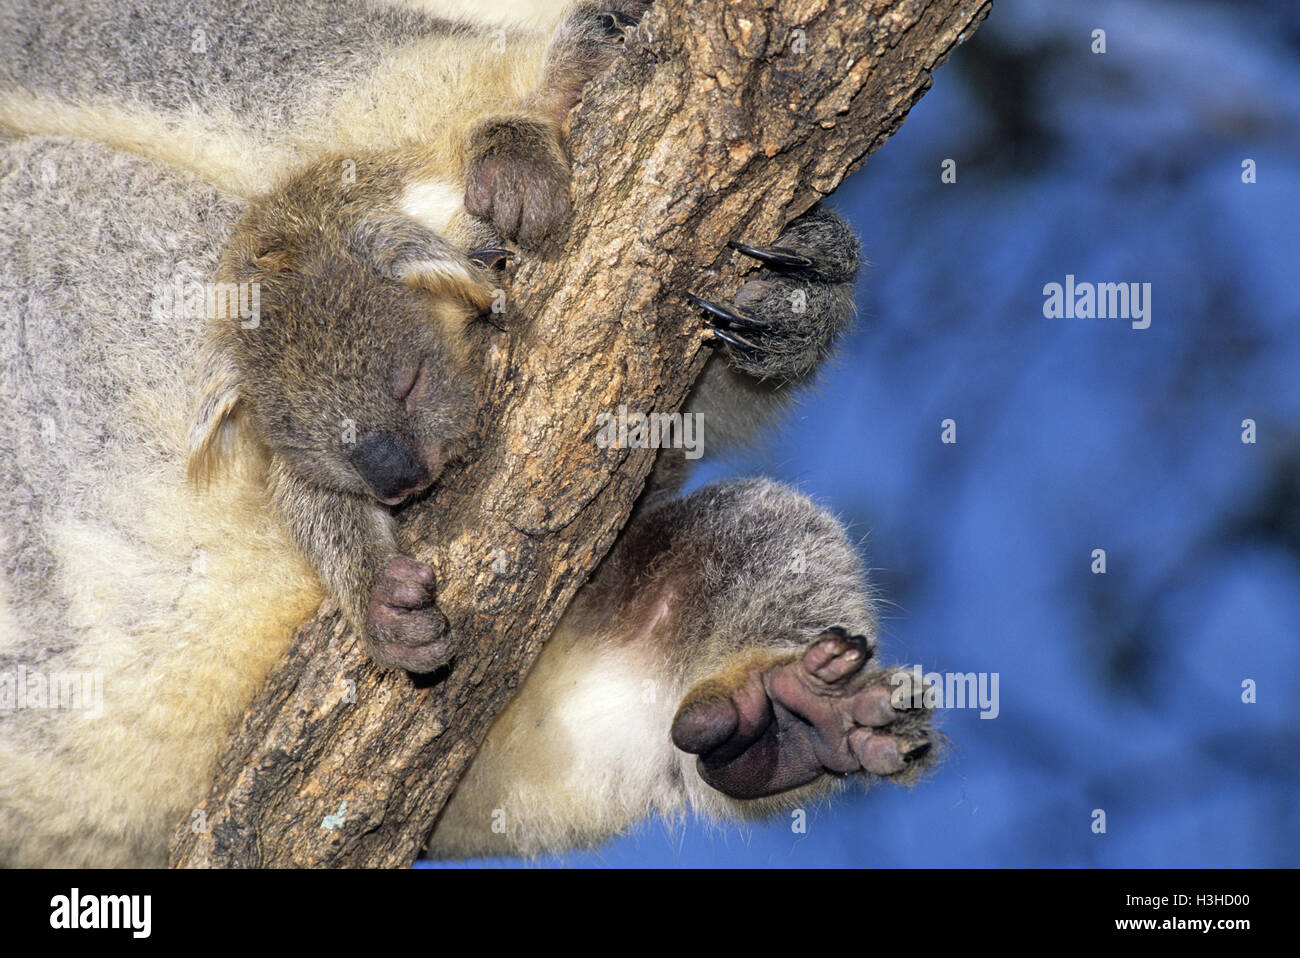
x: 437, y: 204
x: 582, y: 753
x: 528, y: 14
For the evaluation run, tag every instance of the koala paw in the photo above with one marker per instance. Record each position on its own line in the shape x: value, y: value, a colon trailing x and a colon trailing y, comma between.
x: 782, y: 323
x: 518, y: 180
x: 589, y: 38
x: 785, y: 725
x: 404, y: 629
x: 621, y: 17
x: 599, y: 22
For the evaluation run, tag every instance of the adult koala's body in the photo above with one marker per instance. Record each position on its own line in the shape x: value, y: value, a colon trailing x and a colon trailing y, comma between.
x: 181, y: 595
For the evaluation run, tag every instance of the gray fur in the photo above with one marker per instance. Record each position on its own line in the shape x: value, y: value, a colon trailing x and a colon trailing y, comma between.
x: 268, y: 61
x: 750, y: 564
x: 87, y: 235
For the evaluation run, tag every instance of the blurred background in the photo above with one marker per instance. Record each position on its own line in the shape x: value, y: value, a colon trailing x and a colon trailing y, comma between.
x: 1119, y: 691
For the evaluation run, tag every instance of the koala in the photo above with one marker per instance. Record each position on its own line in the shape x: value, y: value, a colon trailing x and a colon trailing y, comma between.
x: 183, y: 490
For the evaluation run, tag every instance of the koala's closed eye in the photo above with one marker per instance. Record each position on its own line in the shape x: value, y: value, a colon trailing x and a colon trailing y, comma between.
x: 409, y: 373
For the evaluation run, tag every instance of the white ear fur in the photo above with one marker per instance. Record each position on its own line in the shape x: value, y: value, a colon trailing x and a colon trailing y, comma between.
x: 449, y: 278
x: 214, y: 424
x: 407, y: 250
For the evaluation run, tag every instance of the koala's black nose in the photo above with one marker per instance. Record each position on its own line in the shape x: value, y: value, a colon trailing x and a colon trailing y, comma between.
x: 389, y: 466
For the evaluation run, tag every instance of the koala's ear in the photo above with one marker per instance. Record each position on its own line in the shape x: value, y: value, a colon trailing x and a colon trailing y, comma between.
x: 400, y: 247
x: 215, y: 423
x: 448, y: 278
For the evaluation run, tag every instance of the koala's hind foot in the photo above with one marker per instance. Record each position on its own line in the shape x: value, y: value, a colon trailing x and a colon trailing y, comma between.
x: 783, y: 322
x: 771, y: 725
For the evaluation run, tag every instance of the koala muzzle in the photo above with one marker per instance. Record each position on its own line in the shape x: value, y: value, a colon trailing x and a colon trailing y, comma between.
x: 389, y: 467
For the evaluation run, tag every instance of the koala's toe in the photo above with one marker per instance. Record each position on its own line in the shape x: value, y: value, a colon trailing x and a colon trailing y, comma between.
x: 836, y: 656
x: 701, y: 726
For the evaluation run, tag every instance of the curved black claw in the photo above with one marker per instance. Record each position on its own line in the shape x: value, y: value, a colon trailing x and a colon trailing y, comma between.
x: 777, y: 257
x: 735, y: 339
x: 917, y: 752
x: 491, y: 257
x: 728, y: 316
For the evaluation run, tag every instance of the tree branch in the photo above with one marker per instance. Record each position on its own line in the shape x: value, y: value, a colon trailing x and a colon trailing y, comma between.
x: 725, y: 119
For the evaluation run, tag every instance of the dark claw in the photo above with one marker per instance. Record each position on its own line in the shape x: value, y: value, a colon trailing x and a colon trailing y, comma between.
x: 860, y: 643
x: 918, y: 752
x: 728, y: 316
x: 735, y: 339
x: 491, y: 257
x: 776, y: 256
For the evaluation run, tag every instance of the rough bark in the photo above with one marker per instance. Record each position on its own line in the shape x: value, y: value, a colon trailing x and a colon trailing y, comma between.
x: 725, y: 119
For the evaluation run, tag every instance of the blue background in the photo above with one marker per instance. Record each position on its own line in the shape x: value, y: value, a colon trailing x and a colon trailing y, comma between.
x: 1119, y: 691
